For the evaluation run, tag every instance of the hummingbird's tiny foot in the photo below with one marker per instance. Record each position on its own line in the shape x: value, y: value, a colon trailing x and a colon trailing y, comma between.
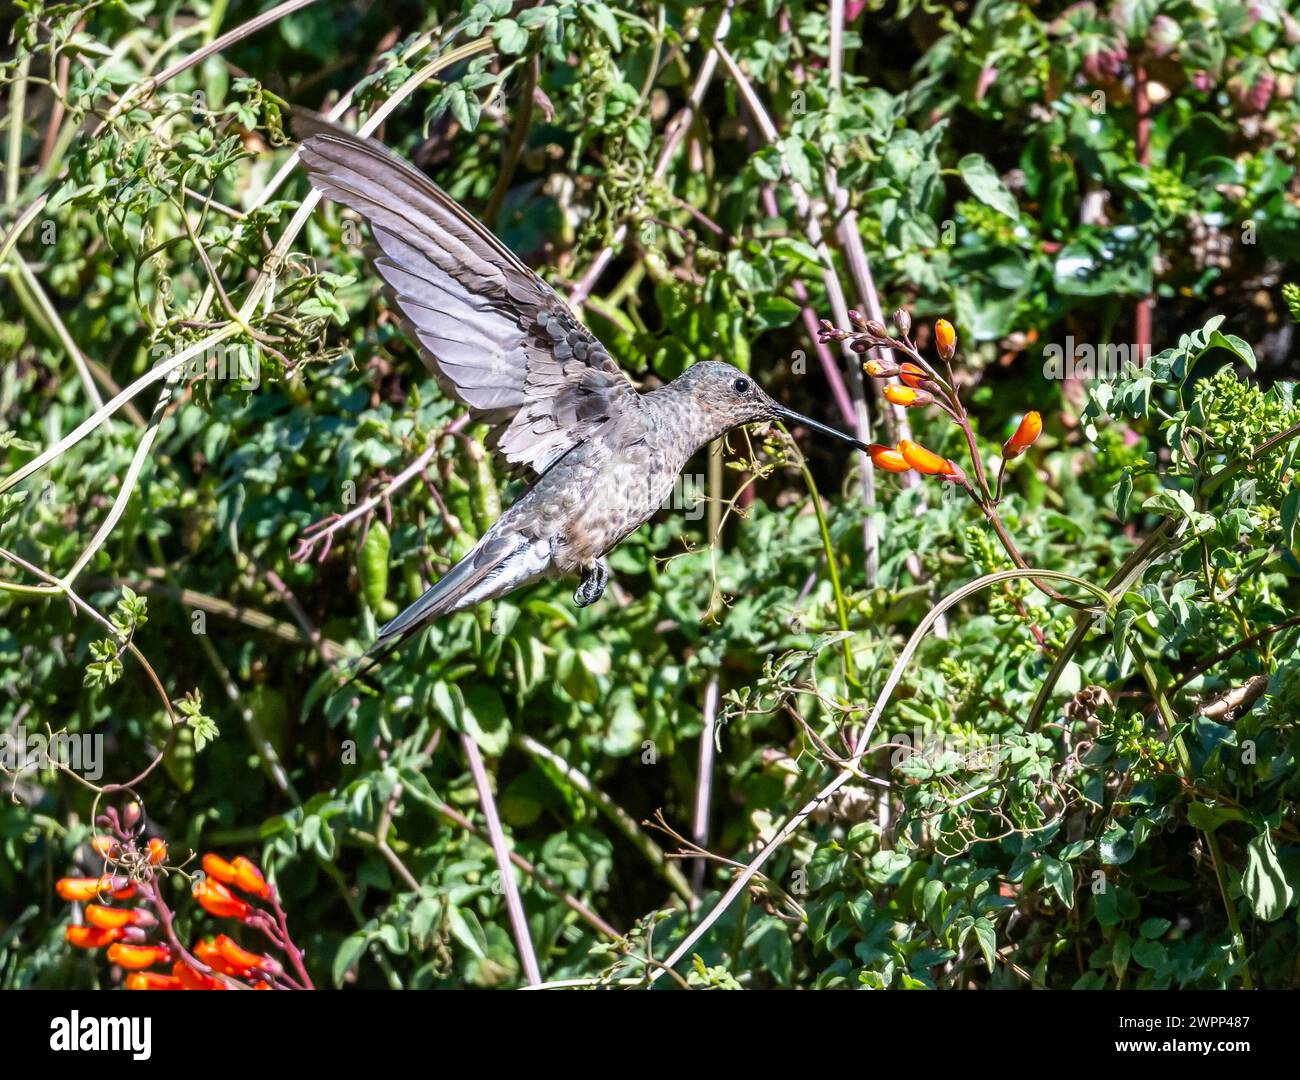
x: 591, y: 586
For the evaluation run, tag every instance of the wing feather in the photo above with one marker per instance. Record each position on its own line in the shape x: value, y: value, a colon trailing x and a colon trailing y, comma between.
x: 498, y: 338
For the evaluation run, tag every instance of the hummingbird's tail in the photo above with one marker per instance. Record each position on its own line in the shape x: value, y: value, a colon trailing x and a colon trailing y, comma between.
x: 499, y: 563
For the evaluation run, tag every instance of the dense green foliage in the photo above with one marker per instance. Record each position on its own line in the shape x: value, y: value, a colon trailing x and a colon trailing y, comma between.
x: 1054, y: 180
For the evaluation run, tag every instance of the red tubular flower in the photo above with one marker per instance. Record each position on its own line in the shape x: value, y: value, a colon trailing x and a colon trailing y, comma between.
x: 945, y: 339
x: 135, y: 957
x: 217, y: 900
x: 887, y: 458
x: 926, y: 461
x: 237, y: 956
x: 1025, y: 437
x: 90, y: 937
x: 912, y: 374
x: 249, y: 879
x: 151, y: 980
x: 907, y: 397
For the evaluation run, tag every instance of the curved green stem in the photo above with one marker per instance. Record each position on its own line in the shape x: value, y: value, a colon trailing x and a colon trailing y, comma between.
x: 841, y: 608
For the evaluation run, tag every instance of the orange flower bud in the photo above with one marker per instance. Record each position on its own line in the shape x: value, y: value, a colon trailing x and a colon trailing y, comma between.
x: 907, y: 397
x: 157, y: 850
x: 880, y: 369
x: 216, y: 867
x: 217, y: 900
x: 1025, y: 437
x: 90, y: 937
x: 926, y: 461
x: 261, y: 984
x: 151, y: 980
x: 945, y: 339
x: 107, y: 918
x: 105, y: 847
x: 912, y: 374
x: 195, y: 980
x: 237, y: 956
x: 135, y: 957
x: 80, y: 889
x: 887, y: 458
x: 125, y: 892
x: 249, y: 878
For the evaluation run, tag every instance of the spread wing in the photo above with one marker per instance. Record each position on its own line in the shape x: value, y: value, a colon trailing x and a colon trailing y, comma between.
x: 497, y: 338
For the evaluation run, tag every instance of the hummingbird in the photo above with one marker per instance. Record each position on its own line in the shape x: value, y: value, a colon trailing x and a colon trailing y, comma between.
x: 602, y: 456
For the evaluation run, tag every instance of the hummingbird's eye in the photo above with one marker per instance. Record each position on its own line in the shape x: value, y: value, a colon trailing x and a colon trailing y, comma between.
x: 741, y: 386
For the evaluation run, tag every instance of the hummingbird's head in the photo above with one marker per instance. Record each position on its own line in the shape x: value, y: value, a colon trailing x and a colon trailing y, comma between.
x: 731, y: 398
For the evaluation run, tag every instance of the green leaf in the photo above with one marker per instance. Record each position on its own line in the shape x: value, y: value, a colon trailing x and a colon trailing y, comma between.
x: 1150, y: 954
x: 1290, y: 511
x: 772, y: 312
x: 465, y: 107
x: 466, y: 929
x: 1060, y: 878
x: 510, y: 37
x: 349, y: 955
x: 986, y: 936
x: 1264, y: 881
x: 1235, y: 345
x: 986, y: 186
x: 1208, y: 818
x: 485, y: 719
x: 603, y: 20
x: 1154, y: 927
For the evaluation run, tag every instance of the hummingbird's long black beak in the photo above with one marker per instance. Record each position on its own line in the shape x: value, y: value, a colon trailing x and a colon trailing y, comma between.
x: 792, y: 417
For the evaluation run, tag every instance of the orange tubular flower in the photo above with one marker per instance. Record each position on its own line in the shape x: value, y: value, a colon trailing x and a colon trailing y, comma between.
x: 208, y: 952
x: 237, y: 956
x: 216, y: 867
x: 1025, y: 437
x: 907, y: 397
x: 90, y: 937
x: 81, y: 889
x: 912, y: 375
x: 157, y: 851
x: 945, y: 339
x: 217, y: 900
x: 107, y: 918
x: 135, y: 957
x: 151, y: 980
x: 195, y: 980
x: 887, y: 458
x: 249, y: 878
x: 926, y: 461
